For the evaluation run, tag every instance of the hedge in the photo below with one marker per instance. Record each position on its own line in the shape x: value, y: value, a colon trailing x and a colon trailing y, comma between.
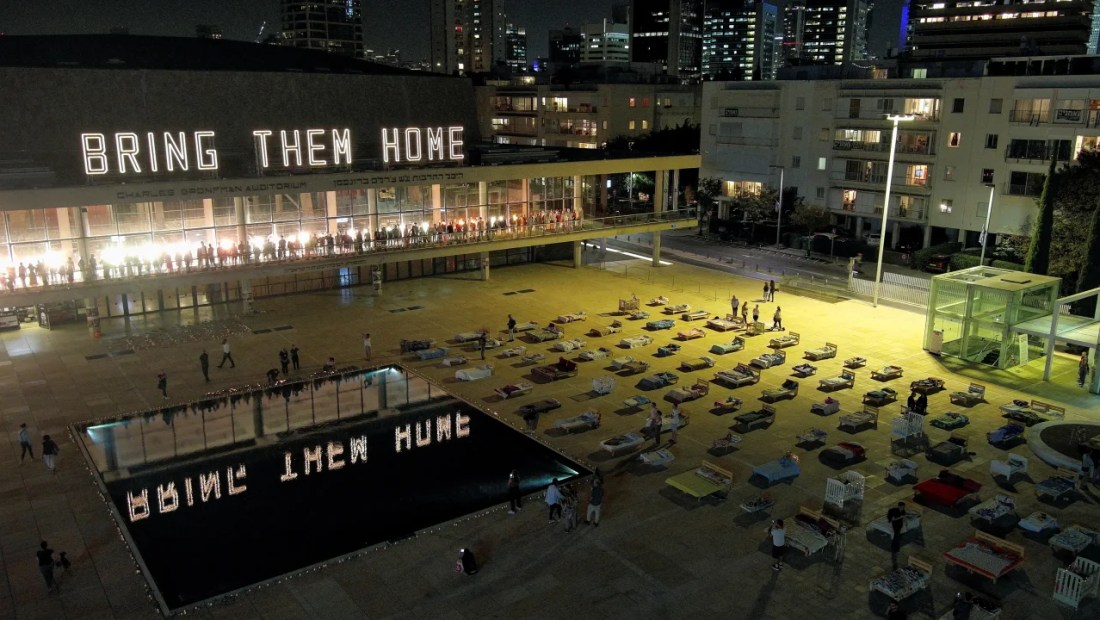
x: 921, y: 258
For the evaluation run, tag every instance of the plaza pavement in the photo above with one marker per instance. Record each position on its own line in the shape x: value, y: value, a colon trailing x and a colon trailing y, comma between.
x: 657, y: 554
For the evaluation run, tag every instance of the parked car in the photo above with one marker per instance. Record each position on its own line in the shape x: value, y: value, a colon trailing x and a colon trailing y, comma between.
x: 940, y: 263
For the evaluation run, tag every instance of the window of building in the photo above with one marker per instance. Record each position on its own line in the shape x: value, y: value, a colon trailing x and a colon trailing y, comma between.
x: 957, y: 105
x: 991, y: 140
x: 946, y: 205
x: 954, y: 138
x: 631, y: 127
x: 1031, y: 111
x: 920, y: 74
x: 1025, y: 183
x: 995, y: 105
x: 645, y: 124
x: 823, y: 135
x: 667, y: 102
x: 917, y: 174
x: 821, y: 163
x: 949, y: 173
x: 798, y: 132
x: 827, y: 103
x: 983, y: 207
x: 885, y: 105
x: 796, y: 162
x: 605, y: 125
x: 987, y: 175
x: 632, y: 102
x: 645, y: 102
x: 800, y: 103
x: 821, y: 192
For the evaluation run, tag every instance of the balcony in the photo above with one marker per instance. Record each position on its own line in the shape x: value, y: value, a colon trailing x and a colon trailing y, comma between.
x: 583, y: 108
x: 508, y: 109
x: 1028, y: 117
x: 881, y: 147
x: 747, y: 141
x: 748, y: 112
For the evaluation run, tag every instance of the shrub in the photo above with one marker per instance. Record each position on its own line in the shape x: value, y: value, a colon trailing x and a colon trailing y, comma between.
x: 963, y: 261
x: 921, y: 258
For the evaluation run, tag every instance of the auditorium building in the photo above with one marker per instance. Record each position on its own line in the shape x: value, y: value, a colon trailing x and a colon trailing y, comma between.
x: 143, y: 174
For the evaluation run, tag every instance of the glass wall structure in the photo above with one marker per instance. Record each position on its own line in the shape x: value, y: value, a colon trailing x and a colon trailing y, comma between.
x: 973, y: 314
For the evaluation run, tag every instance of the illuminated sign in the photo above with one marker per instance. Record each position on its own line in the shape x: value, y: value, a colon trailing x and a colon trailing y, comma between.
x: 131, y: 153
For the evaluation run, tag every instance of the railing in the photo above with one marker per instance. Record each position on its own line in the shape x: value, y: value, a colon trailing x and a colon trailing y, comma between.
x: 880, y: 147
x: 746, y: 140
x: 904, y: 289
x: 541, y: 225
x: 1028, y: 116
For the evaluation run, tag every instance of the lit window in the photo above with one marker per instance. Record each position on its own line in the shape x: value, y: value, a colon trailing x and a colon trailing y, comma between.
x: 953, y: 139
x: 645, y: 124
x: 632, y: 125
x: 949, y: 173
x: 946, y: 205
x: 632, y: 102
x: 821, y: 162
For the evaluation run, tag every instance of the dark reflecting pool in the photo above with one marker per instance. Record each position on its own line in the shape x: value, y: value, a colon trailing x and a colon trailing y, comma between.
x: 210, y: 523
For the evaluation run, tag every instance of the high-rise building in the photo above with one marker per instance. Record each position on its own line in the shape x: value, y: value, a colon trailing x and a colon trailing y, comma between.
x: 515, y: 48
x: 794, y: 25
x: 739, y: 40
x: 983, y: 29
x: 331, y: 25
x: 835, y: 31
x: 467, y: 36
x: 668, y: 33
x: 565, y: 45
x: 605, y: 42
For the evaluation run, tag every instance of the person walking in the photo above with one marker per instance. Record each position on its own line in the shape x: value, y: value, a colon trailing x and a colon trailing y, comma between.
x: 294, y: 360
x: 162, y: 384
x: 595, y: 503
x: 653, y: 425
x: 45, y: 565
x: 204, y: 363
x: 481, y: 340
x: 515, y: 499
x: 779, y: 542
x: 674, y: 422
x: 756, y: 313
x: 226, y: 355
x: 745, y: 312
x: 777, y: 319
x: 553, y: 500
x: 1083, y: 369
x: 50, y: 450
x: 511, y: 328
x: 284, y: 361
x: 896, y: 517
x: 24, y: 437
x: 766, y: 289
x: 367, y: 348
x: 569, y: 508
x: 771, y: 290
x: 735, y: 305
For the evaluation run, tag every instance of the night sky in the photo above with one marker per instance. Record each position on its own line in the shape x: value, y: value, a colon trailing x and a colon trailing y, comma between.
x: 401, y: 24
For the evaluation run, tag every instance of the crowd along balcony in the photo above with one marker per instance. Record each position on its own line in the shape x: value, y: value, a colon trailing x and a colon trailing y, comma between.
x: 153, y: 269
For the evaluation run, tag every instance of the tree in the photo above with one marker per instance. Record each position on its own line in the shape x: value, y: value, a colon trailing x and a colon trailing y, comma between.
x: 1078, y: 186
x: 1038, y: 252
x: 1089, y: 276
x: 810, y: 218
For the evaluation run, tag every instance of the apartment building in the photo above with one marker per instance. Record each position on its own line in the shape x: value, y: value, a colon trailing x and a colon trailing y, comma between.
x: 583, y: 116
x: 967, y: 136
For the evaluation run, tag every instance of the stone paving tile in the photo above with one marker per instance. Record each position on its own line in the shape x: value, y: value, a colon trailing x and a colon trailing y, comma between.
x: 655, y: 554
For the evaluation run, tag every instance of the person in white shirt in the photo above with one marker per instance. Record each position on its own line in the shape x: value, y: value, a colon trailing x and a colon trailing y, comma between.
x: 226, y: 355
x: 553, y: 500
x: 653, y: 425
x: 25, y: 442
x: 779, y: 542
x: 674, y: 422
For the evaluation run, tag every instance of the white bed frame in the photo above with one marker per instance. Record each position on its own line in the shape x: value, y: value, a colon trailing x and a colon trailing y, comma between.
x: 848, y: 485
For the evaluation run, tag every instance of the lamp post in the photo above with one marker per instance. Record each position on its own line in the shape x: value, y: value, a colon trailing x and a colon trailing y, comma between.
x: 779, y: 205
x: 886, y: 200
x: 985, y: 229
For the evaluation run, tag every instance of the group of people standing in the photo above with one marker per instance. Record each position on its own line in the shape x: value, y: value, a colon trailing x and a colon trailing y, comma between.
x: 737, y: 307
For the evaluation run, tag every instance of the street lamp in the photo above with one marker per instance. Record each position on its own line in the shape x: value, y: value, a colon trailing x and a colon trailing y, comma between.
x: 779, y: 205
x: 985, y: 229
x: 886, y: 200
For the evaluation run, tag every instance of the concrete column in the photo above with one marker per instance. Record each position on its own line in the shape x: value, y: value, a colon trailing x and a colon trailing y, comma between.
x: 578, y: 196
x: 372, y: 210
x: 241, y: 217
x: 208, y: 212
x: 601, y: 196
x: 927, y: 241
x: 82, y: 226
x: 603, y: 245
x: 1051, y: 339
x: 331, y: 212
x: 437, y: 203
x: 578, y: 260
x: 660, y: 193
x: 859, y: 225
x: 656, y: 248
x: 483, y: 200
x: 676, y: 189
x: 484, y: 266
x: 258, y: 416
x: 895, y: 232
x: 247, y: 306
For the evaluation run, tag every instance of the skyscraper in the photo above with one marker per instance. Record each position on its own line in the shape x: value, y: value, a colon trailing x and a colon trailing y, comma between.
x: 467, y: 36
x: 331, y: 25
x: 565, y: 45
x: 605, y: 42
x: 668, y: 33
x: 981, y: 30
x: 515, y: 48
x: 739, y: 40
x: 794, y: 25
x: 835, y: 31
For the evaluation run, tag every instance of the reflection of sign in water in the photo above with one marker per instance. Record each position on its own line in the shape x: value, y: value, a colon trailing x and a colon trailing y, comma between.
x: 1067, y: 116
x: 207, y: 487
